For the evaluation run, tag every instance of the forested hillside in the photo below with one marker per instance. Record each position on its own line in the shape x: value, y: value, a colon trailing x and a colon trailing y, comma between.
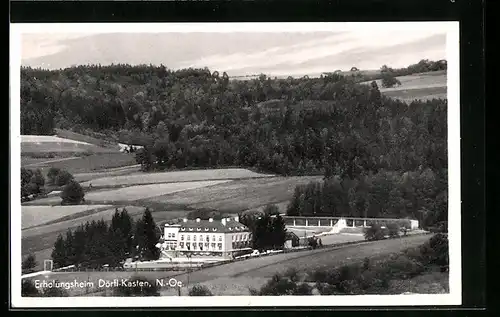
x: 197, y: 118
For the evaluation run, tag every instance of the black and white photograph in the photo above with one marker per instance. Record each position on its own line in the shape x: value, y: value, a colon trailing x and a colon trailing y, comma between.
x: 235, y: 164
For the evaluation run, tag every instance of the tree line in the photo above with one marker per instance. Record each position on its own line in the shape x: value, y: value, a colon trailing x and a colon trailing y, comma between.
x: 420, y: 194
x: 95, y: 243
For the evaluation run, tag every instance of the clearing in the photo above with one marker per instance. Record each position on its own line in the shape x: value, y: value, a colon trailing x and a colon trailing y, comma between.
x: 48, y: 143
x: 238, y: 195
x: 83, y: 164
x: 32, y: 216
x: 422, y: 86
x: 176, y: 176
x: 131, y: 193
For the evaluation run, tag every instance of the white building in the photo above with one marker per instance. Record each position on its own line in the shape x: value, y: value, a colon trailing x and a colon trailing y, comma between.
x: 206, y: 238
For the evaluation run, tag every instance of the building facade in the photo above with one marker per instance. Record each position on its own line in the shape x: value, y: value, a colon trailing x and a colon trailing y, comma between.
x: 199, y: 237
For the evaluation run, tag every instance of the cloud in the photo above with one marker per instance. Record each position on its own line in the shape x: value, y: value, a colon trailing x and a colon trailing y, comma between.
x: 239, y: 53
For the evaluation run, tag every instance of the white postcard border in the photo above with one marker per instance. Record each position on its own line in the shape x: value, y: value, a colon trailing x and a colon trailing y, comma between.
x: 454, y: 201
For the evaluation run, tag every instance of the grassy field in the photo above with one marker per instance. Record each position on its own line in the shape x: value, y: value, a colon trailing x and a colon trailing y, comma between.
x: 238, y: 195
x: 176, y: 176
x: 60, y: 145
x: 409, y: 95
x: 418, y: 86
x: 38, y: 215
x: 428, y: 283
x: 130, y: 193
x: 126, y: 170
x: 84, y: 164
x: 85, y: 138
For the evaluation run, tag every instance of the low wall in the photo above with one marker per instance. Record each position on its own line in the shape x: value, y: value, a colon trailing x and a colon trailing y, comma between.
x: 342, y: 222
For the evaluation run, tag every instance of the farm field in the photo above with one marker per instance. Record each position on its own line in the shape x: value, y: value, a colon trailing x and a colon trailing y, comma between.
x: 176, y: 176
x: 238, y: 195
x: 82, y: 164
x: 125, y: 170
x: 282, y: 206
x: 418, y: 86
x: 235, y: 278
x: 409, y: 95
x: 85, y: 138
x: 131, y: 193
x: 37, y: 215
x: 60, y: 145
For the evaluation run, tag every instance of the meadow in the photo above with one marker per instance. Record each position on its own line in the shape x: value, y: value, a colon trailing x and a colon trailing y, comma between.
x: 422, y: 86
x: 238, y: 195
x: 60, y: 145
x: 37, y: 215
x: 86, y: 138
x: 84, y: 164
x: 175, y: 176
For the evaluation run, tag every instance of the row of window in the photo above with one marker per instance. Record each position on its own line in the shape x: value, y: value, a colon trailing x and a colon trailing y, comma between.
x: 200, y: 246
x: 240, y: 245
x: 198, y: 229
x: 241, y: 237
x: 236, y: 237
x: 207, y: 238
x: 171, y: 235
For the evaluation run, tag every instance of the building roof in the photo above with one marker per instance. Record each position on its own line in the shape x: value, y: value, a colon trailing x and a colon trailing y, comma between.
x: 206, y: 226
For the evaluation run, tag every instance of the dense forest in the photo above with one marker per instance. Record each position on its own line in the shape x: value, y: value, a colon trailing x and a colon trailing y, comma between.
x: 361, y: 141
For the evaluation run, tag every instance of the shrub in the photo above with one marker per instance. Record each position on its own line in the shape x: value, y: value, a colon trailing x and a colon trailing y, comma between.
x: 312, y: 242
x: 284, y: 285
x: 63, y: 178
x: 29, y: 264
x: 28, y: 289
x: 374, y: 232
x: 293, y: 274
x: 319, y: 275
x: 403, y: 267
x: 52, y: 175
x: 370, y: 281
x: 326, y: 289
x: 55, y: 292
x: 199, y: 290
x: 72, y: 194
x: 278, y: 285
x: 393, y: 230
x: 139, y: 286
x: 388, y: 80
x: 440, y: 250
x: 303, y: 289
x: 349, y: 287
x: 366, y: 264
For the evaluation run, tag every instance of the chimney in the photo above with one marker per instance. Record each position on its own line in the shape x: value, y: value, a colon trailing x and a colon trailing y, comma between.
x: 237, y: 219
x: 223, y: 221
x: 184, y: 220
x: 197, y: 219
x: 210, y: 219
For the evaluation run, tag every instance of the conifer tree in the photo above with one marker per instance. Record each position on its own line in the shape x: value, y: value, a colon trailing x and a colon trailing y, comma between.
x: 151, y: 237
x: 59, y: 253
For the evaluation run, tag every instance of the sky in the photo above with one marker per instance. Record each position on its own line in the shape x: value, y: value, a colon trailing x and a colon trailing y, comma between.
x: 238, y: 53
